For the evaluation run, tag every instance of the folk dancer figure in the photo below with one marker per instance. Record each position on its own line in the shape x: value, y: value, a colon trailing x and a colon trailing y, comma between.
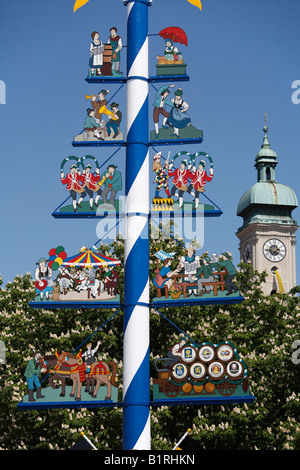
x: 226, y: 263
x: 116, y: 43
x: 43, y: 279
x: 113, y: 184
x: 89, y: 356
x: 180, y: 181
x: 174, y: 355
x: 114, y: 123
x: 161, y: 178
x: 92, y: 184
x: 74, y: 181
x: 32, y: 372
x: 160, y: 104
x: 199, y: 180
x: 190, y: 263
x: 96, y: 54
x: 178, y: 117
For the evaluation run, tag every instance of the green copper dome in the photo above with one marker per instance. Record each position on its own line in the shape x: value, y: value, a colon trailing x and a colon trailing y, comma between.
x: 268, y: 193
x: 267, y: 201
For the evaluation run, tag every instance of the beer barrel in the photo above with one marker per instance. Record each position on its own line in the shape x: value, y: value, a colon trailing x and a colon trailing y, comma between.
x: 106, y: 68
x: 107, y: 53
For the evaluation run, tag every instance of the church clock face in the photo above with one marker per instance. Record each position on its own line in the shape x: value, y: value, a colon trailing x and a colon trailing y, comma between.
x: 274, y: 250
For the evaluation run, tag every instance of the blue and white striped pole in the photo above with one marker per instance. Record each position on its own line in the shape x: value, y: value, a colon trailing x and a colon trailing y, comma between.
x: 136, y: 373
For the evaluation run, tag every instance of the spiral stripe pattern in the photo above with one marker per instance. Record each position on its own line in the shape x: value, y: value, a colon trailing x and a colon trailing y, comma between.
x: 136, y: 378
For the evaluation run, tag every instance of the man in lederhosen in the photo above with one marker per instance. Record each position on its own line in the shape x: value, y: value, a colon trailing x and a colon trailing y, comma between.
x: 74, y: 181
x: 160, y: 104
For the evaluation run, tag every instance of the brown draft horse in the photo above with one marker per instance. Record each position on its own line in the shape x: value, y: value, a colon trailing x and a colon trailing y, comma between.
x: 69, y: 366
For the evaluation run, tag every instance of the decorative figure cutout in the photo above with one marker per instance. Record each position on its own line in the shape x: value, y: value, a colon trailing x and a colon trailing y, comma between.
x: 193, y: 371
x: 84, y: 179
x: 176, y: 121
x: 171, y: 63
x: 195, y: 278
x: 33, y: 371
x: 86, y: 277
x: 100, y: 120
x: 105, y: 58
x: 67, y: 374
x: 185, y: 180
x: 116, y: 43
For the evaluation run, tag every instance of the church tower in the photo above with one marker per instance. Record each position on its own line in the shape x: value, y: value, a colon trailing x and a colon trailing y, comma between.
x: 267, y: 236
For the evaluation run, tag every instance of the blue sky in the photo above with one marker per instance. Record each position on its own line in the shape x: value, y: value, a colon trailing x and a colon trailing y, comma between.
x: 242, y: 59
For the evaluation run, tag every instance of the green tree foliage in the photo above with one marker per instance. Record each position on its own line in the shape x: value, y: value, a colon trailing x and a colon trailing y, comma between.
x: 263, y: 330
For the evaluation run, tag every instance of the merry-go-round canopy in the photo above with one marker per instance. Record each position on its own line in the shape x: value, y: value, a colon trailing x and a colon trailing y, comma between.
x: 88, y: 258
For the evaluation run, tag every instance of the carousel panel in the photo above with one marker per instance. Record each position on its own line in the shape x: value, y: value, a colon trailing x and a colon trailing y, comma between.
x: 85, y: 280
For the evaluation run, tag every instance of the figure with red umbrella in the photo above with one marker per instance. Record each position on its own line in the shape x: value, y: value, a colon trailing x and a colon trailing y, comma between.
x: 172, y: 54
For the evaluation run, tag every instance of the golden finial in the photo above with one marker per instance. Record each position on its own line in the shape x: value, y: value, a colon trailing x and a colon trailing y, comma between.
x: 266, y: 119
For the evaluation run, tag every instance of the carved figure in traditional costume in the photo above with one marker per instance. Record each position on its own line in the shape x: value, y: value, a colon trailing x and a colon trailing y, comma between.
x: 96, y: 54
x: 32, y: 373
x: 174, y: 355
x: 160, y: 104
x: 171, y: 52
x: 112, y: 184
x: 100, y: 105
x: 116, y: 42
x: 205, y: 274
x: 162, y: 177
x: 74, y: 181
x: 178, y: 117
x: 43, y: 279
x: 92, y: 184
x: 180, y: 179
x: 230, y: 270
x: 190, y: 263
x: 89, y: 356
x: 198, y: 180
x: 164, y: 275
x: 114, y: 121
x: 91, y: 125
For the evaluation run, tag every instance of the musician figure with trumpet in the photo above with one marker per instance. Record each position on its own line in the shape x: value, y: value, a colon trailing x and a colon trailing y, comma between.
x: 96, y: 121
x: 112, y: 183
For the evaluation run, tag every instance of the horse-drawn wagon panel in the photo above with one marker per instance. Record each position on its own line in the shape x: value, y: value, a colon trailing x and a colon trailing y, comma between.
x: 192, y: 372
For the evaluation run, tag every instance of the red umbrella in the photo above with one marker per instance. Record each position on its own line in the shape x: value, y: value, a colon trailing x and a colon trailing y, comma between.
x: 174, y: 33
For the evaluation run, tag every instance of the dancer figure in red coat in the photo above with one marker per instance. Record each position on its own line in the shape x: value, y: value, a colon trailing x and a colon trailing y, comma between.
x: 199, y: 178
x: 74, y: 182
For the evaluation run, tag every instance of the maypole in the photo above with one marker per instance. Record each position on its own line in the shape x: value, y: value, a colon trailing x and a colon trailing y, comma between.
x: 136, y: 395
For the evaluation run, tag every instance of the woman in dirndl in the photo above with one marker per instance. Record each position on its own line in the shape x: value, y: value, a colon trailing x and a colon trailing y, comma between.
x: 96, y: 51
x: 178, y: 115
